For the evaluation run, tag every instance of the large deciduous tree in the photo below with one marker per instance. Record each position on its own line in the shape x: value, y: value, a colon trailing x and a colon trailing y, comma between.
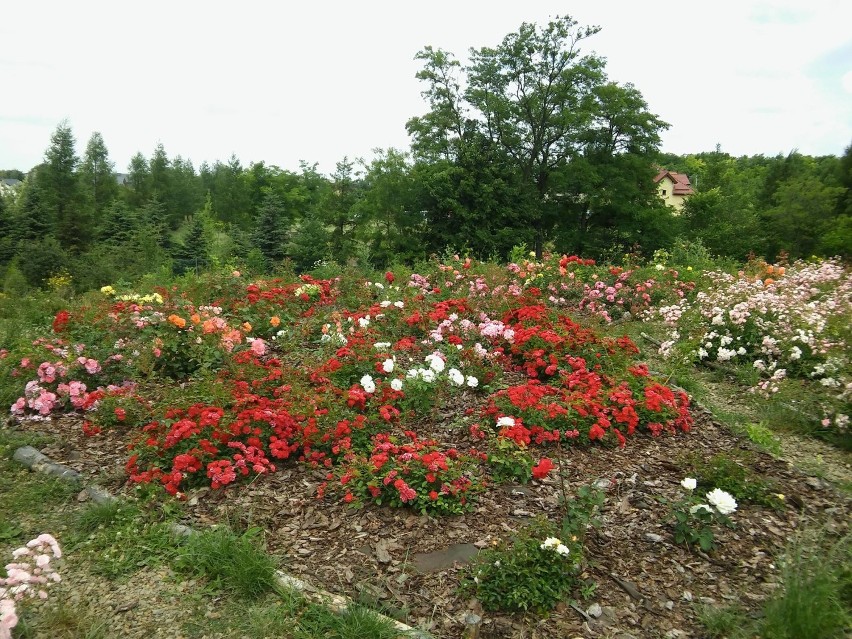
x: 542, y: 105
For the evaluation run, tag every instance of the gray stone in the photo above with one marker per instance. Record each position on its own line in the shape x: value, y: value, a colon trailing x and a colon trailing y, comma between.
x: 653, y: 537
x: 34, y: 460
x: 445, y: 558
x: 594, y: 610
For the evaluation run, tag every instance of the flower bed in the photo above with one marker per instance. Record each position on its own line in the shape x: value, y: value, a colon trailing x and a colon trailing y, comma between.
x: 340, y: 374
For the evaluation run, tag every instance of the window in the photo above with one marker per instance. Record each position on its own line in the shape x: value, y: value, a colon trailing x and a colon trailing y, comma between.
x: 663, y: 192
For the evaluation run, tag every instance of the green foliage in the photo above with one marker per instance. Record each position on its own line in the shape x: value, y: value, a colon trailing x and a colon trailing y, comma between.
x: 508, y: 462
x: 695, y: 528
x: 580, y: 512
x: 731, y: 473
x: 549, y: 127
x: 761, y: 435
x: 270, y: 234
x: 233, y: 562
x: 816, y: 598
x: 524, y: 574
x: 104, y: 531
x: 730, y: 622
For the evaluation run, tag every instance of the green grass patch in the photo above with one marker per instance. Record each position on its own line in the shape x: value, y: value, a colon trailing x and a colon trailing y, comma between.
x: 816, y: 599
x: 27, y: 498
x: 232, y: 562
x: 62, y: 621
x: 287, y: 613
x: 119, y: 538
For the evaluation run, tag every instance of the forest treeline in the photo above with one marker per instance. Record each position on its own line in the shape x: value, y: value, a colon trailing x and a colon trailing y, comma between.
x: 528, y: 144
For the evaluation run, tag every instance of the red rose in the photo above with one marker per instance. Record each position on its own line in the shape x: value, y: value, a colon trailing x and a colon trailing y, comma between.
x: 543, y: 468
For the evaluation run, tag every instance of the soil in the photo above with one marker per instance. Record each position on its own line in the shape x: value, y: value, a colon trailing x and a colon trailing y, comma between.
x: 641, y: 584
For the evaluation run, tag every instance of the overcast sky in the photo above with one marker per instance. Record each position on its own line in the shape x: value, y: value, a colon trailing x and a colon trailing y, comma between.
x: 288, y: 81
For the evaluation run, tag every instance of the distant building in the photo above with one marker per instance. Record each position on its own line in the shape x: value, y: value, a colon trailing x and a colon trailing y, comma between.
x: 9, y: 185
x: 673, y: 188
x: 122, y: 178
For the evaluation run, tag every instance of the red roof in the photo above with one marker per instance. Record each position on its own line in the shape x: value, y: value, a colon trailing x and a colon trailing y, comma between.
x: 680, y: 180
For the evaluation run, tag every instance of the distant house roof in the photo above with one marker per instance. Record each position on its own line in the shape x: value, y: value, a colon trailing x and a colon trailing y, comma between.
x: 680, y: 180
x: 10, y: 182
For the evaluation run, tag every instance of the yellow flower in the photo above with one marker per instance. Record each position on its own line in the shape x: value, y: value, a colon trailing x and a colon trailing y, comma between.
x: 688, y: 268
x: 107, y: 290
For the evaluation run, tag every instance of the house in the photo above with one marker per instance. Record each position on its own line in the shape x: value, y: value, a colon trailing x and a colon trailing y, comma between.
x: 673, y: 188
x: 9, y: 185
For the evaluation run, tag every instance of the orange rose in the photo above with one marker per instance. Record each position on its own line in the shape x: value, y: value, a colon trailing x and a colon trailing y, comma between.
x: 275, y: 321
x: 196, y: 318
x: 246, y: 327
x: 177, y: 321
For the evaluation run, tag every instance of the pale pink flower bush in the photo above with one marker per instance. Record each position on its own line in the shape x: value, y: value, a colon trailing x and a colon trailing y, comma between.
x: 27, y: 577
x: 794, y: 328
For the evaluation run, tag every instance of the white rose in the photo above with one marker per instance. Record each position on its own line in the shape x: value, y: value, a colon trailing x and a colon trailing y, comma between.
x: 722, y: 501
x: 689, y: 483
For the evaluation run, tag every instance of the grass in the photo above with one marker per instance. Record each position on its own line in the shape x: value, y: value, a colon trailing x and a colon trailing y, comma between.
x: 119, y: 538
x: 64, y: 622
x: 27, y: 498
x: 288, y: 614
x: 814, y: 601
x: 234, y: 563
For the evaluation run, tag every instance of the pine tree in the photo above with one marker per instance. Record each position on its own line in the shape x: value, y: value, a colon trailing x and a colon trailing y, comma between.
x: 61, y: 190
x: 97, y: 176
x: 270, y: 233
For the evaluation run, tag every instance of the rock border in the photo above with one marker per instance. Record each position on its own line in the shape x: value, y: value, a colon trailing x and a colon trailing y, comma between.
x: 36, y: 461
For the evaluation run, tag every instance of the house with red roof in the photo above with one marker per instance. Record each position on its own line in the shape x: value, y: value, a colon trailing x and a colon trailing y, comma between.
x: 673, y: 188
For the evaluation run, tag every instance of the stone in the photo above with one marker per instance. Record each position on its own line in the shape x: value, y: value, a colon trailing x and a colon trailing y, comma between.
x: 594, y: 610
x: 443, y: 559
x: 653, y: 537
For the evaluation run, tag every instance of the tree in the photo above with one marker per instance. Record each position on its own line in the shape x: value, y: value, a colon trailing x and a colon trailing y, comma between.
x: 270, y: 233
x: 308, y: 244
x: 32, y: 218
x: 118, y: 224
x: 97, y: 176
x: 185, y: 190
x: 539, y: 103
x: 60, y: 186
x: 231, y: 196
x: 193, y: 254
x: 389, y: 220
x: 138, y: 185
x: 339, y: 208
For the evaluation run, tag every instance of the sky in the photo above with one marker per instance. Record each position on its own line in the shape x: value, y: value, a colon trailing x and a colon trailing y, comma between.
x: 284, y: 82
